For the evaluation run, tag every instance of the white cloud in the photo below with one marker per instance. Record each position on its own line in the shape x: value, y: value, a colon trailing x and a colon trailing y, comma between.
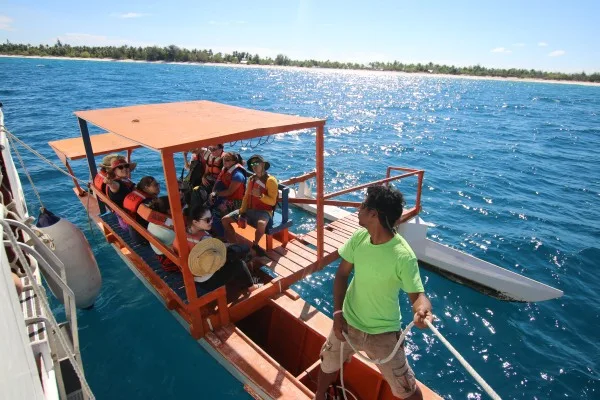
x: 519, y: 44
x: 129, y: 15
x: 501, y: 50
x: 557, y: 53
x: 86, y: 39
x: 226, y: 23
x: 5, y: 23
x: 542, y: 44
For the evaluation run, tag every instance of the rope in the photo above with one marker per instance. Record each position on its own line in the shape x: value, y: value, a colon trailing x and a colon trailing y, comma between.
x: 37, y: 194
x: 464, y: 363
x: 487, y: 388
x: 41, y: 157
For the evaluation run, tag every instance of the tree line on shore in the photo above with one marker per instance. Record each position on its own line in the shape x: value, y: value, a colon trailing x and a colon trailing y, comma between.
x: 173, y: 53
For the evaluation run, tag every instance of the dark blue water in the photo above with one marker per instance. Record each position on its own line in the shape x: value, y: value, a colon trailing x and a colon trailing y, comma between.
x: 512, y: 177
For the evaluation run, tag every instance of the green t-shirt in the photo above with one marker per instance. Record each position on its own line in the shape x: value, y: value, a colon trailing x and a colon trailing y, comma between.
x: 380, y: 271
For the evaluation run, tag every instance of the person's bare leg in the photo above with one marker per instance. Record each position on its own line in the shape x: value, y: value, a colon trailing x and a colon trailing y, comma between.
x: 228, y: 228
x: 323, y: 382
x: 261, y: 227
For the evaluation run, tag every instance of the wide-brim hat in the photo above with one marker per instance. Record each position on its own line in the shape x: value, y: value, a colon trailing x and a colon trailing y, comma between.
x: 258, y: 158
x: 112, y: 161
x: 207, y: 257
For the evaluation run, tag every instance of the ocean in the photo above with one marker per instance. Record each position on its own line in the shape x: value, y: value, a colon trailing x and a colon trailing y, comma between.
x: 512, y: 176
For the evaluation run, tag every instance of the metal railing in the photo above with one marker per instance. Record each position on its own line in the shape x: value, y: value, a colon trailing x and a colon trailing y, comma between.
x: 20, y: 249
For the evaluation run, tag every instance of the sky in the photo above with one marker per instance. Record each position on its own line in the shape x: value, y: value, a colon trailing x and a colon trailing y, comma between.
x: 546, y: 35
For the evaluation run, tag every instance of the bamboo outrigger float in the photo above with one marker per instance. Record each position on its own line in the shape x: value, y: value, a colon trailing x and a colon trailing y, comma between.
x: 268, y: 337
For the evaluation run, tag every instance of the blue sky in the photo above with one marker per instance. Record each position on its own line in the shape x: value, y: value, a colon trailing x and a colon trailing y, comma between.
x: 548, y: 35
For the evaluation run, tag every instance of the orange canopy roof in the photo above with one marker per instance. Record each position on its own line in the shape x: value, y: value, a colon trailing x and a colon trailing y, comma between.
x: 184, y: 125
x: 104, y: 143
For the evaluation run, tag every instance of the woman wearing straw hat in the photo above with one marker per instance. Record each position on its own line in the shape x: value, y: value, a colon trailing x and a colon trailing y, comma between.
x: 118, y: 180
x: 212, y: 263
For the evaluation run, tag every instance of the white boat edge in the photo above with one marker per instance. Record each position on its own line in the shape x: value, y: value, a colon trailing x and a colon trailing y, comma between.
x: 453, y: 264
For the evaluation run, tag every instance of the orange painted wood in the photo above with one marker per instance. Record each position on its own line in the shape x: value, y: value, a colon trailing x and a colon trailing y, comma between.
x: 303, y: 251
x: 293, y: 257
x: 338, y: 226
x: 378, y: 182
x: 257, y: 365
x: 298, y: 179
x: 312, y: 239
x: 185, y: 125
x: 103, y: 143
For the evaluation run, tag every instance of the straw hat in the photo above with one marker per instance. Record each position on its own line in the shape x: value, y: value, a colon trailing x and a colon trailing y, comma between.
x: 207, y: 257
x: 112, y: 160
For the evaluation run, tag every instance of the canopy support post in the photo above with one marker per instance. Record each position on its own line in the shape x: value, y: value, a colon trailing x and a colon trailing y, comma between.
x: 89, y: 152
x: 196, y: 324
x: 320, y: 149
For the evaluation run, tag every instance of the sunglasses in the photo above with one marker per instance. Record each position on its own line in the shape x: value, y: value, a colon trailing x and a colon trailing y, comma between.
x: 123, y: 166
x: 206, y: 219
x: 254, y: 164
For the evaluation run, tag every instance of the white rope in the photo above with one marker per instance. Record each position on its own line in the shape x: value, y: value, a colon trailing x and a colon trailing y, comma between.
x: 37, y: 194
x: 366, y: 359
x: 487, y: 388
x: 465, y: 364
x: 41, y: 157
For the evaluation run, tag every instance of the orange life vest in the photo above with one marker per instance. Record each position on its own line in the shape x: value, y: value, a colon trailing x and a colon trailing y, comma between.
x: 192, y: 240
x: 255, y: 202
x: 225, y: 176
x: 213, y: 164
x: 133, y: 200
x: 99, y: 181
x: 154, y: 217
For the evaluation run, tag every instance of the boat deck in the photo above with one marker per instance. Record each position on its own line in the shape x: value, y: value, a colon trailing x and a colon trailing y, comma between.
x: 281, y: 267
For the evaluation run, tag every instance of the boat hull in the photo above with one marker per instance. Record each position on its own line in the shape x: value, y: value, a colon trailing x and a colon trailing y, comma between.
x: 456, y: 265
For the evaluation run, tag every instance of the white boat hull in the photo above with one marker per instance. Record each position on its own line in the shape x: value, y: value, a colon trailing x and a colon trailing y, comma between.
x: 454, y: 264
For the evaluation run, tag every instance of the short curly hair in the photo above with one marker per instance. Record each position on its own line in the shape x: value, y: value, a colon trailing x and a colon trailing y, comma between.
x: 388, y: 202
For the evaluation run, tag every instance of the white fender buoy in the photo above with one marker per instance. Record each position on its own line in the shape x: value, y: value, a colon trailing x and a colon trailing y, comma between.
x: 73, y: 249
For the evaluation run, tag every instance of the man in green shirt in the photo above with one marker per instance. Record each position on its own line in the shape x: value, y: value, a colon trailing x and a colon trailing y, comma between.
x: 368, y: 310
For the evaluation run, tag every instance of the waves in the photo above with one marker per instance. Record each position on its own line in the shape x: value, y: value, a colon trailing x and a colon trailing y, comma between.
x: 511, y: 177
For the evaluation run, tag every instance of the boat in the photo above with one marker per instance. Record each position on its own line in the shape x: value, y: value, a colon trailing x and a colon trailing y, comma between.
x: 451, y: 263
x: 42, y: 357
x: 267, y: 336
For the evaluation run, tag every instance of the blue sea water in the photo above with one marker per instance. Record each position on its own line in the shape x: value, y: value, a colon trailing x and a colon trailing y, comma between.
x: 512, y: 177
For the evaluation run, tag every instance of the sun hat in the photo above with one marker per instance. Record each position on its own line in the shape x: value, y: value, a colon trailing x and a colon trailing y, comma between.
x: 258, y: 158
x: 116, y: 159
x: 207, y: 257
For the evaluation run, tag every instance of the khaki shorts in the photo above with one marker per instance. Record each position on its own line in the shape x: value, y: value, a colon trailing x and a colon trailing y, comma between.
x: 396, y: 372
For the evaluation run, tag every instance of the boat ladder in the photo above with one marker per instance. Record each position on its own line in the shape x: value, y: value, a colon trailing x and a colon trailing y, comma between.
x: 63, y: 338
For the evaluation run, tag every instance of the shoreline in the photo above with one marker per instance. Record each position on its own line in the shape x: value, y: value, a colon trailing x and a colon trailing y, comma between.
x: 365, y: 71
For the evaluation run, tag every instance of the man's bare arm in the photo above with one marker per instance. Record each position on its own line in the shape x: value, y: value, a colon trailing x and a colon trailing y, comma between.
x: 422, y: 308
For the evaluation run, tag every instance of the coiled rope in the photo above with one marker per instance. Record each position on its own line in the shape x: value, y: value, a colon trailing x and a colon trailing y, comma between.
x: 487, y: 388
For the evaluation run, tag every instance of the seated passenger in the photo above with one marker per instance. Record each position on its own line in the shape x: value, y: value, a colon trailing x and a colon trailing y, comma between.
x: 162, y: 228
x: 228, y: 192
x: 213, y: 162
x: 195, y: 168
x: 145, y: 192
x: 258, y: 204
x: 233, y: 272
x: 118, y: 182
